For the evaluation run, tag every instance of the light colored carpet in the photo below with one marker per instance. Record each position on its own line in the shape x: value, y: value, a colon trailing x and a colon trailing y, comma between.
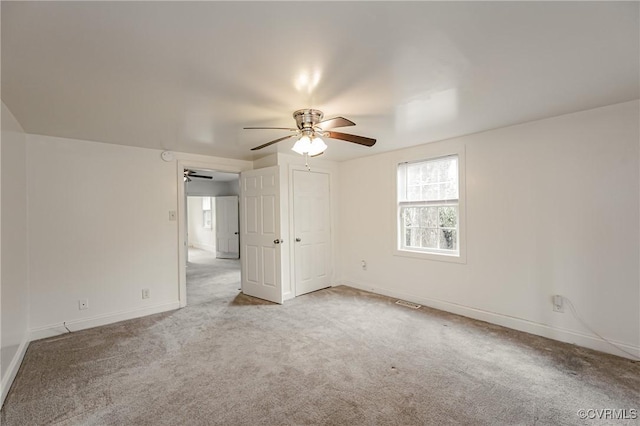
x: 334, y: 357
x: 209, y: 278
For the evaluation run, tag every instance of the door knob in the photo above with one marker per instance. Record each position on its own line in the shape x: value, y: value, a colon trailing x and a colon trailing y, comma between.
x: 277, y: 241
x: 298, y: 240
x: 235, y: 233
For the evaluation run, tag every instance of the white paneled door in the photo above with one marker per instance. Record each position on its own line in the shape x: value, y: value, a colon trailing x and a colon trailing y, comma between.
x: 312, y: 231
x: 260, y: 239
x: 227, y: 237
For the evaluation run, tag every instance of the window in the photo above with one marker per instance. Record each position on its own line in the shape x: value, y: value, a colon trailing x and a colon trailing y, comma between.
x: 206, y: 212
x: 428, y: 206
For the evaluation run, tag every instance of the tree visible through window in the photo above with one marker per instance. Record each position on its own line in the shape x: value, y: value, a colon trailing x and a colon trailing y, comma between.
x: 428, y: 206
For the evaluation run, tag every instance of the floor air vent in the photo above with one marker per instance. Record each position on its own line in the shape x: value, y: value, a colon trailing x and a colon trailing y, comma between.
x: 408, y: 304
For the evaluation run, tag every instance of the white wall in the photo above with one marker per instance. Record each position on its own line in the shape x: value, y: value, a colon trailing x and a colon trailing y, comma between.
x: 100, y: 229
x: 552, y: 208
x: 199, y: 236
x: 14, y: 290
x: 233, y: 188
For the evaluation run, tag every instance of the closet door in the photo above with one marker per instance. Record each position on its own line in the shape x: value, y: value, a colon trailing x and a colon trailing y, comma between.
x: 312, y: 231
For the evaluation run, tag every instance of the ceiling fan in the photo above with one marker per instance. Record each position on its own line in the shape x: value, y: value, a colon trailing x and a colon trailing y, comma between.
x: 188, y: 174
x: 310, y: 129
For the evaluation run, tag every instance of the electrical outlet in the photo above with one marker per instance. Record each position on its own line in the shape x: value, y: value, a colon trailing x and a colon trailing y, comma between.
x: 146, y: 293
x: 558, y: 305
x: 364, y: 265
x: 83, y: 304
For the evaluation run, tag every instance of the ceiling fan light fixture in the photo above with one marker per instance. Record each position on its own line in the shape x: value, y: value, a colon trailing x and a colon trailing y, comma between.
x: 317, y: 146
x: 302, y: 145
x: 308, y: 146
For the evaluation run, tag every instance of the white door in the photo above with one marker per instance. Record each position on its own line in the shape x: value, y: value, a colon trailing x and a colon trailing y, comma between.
x: 260, y: 239
x: 312, y: 231
x: 227, y: 237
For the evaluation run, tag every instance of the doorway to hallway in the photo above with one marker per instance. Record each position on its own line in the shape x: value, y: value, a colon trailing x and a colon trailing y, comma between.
x: 210, y: 279
x: 211, y: 240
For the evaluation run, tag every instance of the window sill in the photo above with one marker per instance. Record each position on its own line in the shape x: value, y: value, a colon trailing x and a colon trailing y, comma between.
x: 439, y: 257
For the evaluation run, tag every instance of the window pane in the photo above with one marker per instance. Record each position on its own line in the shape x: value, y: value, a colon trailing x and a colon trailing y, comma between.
x: 431, y: 217
x: 448, y: 239
x: 206, y: 203
x: 415, y: 237
x: 448, y: 217
x: 414, y: 193
x: 421, y: 216
x: 430, y: 238
x: 432, y: 180
x: 206, y: 219
x: 414, y: 174
x: 430, y: 192
x: 408, y: 216
x: 450, y: 191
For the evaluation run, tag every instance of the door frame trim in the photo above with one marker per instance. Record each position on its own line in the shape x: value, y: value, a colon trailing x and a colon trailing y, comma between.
x: 182, y: 225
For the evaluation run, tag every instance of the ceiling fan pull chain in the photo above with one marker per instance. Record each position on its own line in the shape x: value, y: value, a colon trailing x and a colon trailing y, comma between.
x: 306, y: 161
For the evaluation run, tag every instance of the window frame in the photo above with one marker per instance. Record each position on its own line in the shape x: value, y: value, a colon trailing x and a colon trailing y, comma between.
x: 427, y: 153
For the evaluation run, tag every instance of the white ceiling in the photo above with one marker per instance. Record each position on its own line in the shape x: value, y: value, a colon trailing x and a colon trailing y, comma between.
x: 187, y: 76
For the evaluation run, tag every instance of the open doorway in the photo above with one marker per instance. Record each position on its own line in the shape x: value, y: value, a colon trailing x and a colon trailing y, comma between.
x: 213, y: 255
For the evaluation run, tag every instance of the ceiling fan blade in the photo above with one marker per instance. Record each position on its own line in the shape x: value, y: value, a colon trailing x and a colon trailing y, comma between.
x: 270, y: 128
x: 201, y: 176
x: 335, y: 122
x: 271, y: 143
x: 361, y: 140
x: 317, y: 155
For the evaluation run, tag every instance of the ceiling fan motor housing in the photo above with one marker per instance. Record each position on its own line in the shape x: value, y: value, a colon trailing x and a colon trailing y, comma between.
x: 307, y: 118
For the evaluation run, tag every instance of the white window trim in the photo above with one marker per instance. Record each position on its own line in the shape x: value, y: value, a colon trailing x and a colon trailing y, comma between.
x: 432, y: 152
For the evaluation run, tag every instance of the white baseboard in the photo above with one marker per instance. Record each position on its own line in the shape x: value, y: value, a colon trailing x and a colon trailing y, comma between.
x: 77, y: 325
x: 555, y: 333
x: 12, y: 371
